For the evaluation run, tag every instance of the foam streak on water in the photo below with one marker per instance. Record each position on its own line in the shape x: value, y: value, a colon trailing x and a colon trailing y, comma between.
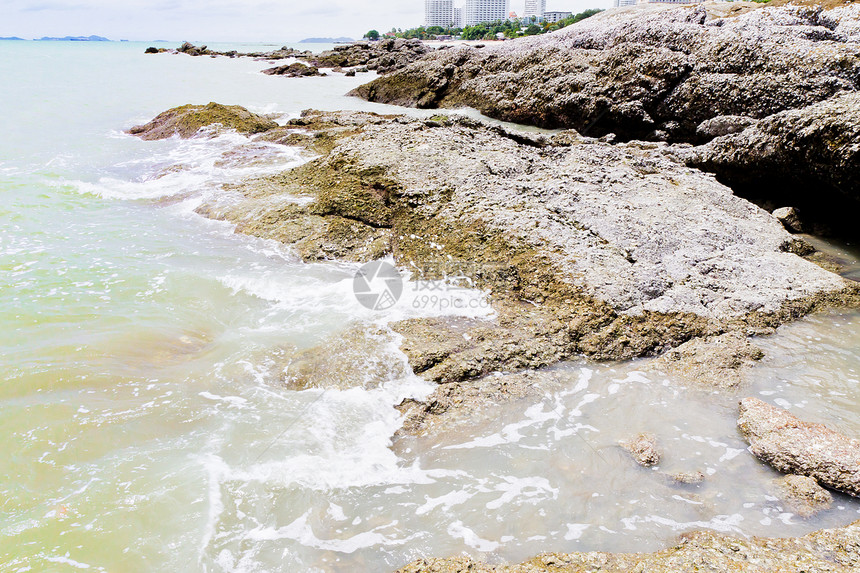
x: 160, y: 408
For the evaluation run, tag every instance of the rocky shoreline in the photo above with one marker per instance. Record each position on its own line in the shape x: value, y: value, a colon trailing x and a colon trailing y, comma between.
x: 613, y: 247
x: 383, y: 56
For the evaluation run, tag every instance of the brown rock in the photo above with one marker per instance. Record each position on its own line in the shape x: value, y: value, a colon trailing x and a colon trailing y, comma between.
x: 790, y: 219
x: 186, y: 121
x: 825, y: 551
x: 793, y: 446
x: 803, y: 495
x: 643, y: 448
x: 720, y: 362
x: 295, y: 70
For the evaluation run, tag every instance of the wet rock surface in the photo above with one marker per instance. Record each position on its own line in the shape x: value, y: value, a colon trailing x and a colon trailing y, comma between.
x: 831, y: 550
x: 720, y: 362
x: 295, y: 70
x: 586, y: 248
x: 187, y: 121
x: 459, y: 403
x: 612, y: 251
x: 803, y: 495
x: 643, y: 448
x: 793, y: 446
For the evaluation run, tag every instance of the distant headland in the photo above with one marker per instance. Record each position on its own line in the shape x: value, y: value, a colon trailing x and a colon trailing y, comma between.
x: 73, y: 39
x: 326, y: 41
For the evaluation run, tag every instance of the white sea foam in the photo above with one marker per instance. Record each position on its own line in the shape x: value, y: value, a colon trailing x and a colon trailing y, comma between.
x: 470, y: 538
x: 191, y: 168
x: 301, y: 531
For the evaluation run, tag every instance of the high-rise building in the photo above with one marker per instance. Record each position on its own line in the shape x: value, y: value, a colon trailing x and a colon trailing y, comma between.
x: 479, y: 11
x: 438, y: 13
x: 535, y: 8
x: 553, y: 17
x: 458, y: 17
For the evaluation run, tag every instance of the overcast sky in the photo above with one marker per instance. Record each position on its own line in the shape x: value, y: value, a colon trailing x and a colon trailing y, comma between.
x: 223, y: 20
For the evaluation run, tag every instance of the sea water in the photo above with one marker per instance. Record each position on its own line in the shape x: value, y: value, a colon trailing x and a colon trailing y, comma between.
x: 146, y: 422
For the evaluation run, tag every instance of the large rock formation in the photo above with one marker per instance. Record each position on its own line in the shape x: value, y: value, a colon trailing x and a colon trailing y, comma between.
x: 815, y: 146
x: 612, y: 251
x: 796, y: 447
x: 186, y: 121
x: 644, y: 72
x: 828, y: 550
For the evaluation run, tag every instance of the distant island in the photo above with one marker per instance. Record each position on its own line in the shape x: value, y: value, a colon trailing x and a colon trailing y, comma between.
x: 74, y: 39
x: 326, y: 41
x: 13, y: 38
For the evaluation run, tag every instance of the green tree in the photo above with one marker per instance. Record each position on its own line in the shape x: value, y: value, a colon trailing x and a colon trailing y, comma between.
x: 372, y: 35
x: 533, y: 29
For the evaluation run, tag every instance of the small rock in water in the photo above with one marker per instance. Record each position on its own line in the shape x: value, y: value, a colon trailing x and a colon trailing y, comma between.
x: 803, y: 495
x: 643, y: 448
x: 790, y: 219
x: 186, y: 121
x: 688, y: 478
x: 296, y: 70
x: 796, y: 447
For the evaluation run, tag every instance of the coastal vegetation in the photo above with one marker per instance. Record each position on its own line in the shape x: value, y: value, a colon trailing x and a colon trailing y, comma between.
x: 490, y: 30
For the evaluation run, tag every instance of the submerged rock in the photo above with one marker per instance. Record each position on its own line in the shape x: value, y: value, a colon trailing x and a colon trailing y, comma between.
x: 828, y: 550
x: 793, y: 446
x: 643, y: 448
x: 687, y: 478
x: 720, y: 362
x: 186, y: 121
x: 474, y: 402
x: 360, y: 357
x: 803, y: 495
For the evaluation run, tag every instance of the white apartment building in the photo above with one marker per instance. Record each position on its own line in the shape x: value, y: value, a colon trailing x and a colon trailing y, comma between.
x: 458, y: 17
x: 479, y: 11
x: 535, y: 8
x: 553, y: 17
x: 438, y: 13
